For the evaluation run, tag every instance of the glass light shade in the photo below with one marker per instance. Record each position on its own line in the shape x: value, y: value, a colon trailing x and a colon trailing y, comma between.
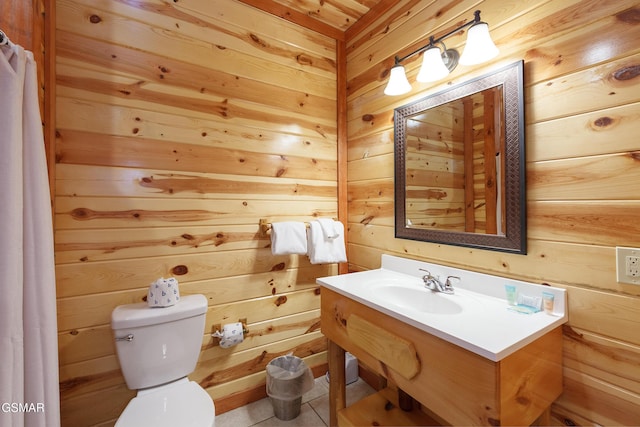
x: 479, y: 47
x: 398, y: 83
x: 433, y: 67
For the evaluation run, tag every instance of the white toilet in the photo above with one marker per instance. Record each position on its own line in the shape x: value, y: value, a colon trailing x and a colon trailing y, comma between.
x: 157, y: 349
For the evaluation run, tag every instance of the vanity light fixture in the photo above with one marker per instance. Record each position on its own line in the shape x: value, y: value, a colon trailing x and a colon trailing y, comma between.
x: 437, y: 64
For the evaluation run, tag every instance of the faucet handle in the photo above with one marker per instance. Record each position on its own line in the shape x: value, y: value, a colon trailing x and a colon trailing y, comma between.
x: 448, y: 285
x: 426, y: 276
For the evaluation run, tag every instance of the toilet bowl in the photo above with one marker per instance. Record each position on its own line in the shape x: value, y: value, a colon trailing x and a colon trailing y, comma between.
x: 157, y: 349
x: 182, y: 403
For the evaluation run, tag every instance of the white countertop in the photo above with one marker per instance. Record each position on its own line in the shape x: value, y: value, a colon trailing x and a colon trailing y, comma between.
x: 485, y: 325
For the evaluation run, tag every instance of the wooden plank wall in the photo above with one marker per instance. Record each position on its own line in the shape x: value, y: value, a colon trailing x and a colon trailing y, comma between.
x: 582, y: 95
x: 435, y: 169
x: 179, y: 126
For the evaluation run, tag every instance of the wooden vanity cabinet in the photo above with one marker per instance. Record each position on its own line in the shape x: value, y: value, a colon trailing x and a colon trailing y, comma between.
x: 457, y: 385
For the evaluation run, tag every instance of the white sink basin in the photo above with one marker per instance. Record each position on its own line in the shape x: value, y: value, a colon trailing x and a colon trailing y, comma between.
x: 476, y: 317
x: 419, y: 299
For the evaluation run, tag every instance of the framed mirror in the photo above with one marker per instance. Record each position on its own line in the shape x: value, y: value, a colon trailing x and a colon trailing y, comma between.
x: 460, y: 167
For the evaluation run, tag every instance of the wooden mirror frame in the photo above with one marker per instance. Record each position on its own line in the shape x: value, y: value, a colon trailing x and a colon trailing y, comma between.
x: 514, y: 240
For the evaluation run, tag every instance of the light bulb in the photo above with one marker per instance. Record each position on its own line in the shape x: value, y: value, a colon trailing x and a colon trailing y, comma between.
x: 479, y: 47
x: 398, y: 83
x: 433, y: 67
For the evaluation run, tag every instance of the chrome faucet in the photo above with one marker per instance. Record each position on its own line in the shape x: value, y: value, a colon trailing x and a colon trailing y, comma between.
x: 432, y: 282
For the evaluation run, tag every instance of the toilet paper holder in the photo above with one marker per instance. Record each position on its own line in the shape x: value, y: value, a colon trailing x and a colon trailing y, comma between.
x: 218, y: 327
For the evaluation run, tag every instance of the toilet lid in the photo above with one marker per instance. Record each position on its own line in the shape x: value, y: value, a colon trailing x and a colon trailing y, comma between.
x: 184, y: 404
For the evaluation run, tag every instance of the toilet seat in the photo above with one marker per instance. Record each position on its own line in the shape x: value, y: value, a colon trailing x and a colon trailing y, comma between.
x: 181, y: 403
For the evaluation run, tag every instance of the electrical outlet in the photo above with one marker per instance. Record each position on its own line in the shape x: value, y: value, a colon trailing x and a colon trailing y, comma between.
x: 632, y: 266
x: 628, y: 265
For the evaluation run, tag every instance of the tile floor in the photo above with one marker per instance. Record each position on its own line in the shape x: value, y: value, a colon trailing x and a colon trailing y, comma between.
x: 313, y: 413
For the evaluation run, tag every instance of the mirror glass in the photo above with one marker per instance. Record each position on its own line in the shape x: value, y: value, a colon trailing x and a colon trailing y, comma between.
x: 459, y: 172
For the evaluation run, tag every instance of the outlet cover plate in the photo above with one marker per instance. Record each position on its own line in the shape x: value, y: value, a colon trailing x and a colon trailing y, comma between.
x: 627, y: 269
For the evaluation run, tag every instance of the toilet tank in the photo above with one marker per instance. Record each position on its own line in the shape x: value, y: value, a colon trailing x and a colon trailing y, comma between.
x: 158, y: 345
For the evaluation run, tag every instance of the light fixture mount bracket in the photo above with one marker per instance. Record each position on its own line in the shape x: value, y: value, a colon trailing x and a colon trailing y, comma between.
x: 450, y: 58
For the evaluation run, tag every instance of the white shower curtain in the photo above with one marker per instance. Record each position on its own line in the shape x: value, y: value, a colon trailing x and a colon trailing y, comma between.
x: 29, y: 391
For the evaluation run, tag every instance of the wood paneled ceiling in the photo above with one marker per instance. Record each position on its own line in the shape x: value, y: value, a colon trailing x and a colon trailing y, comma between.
x: 334, y: 18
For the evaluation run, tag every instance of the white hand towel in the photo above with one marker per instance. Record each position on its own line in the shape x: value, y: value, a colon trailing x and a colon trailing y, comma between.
x: 163, y: 293
x: 323, y: 250
x: 329, y: 228
x: 288, y: 238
